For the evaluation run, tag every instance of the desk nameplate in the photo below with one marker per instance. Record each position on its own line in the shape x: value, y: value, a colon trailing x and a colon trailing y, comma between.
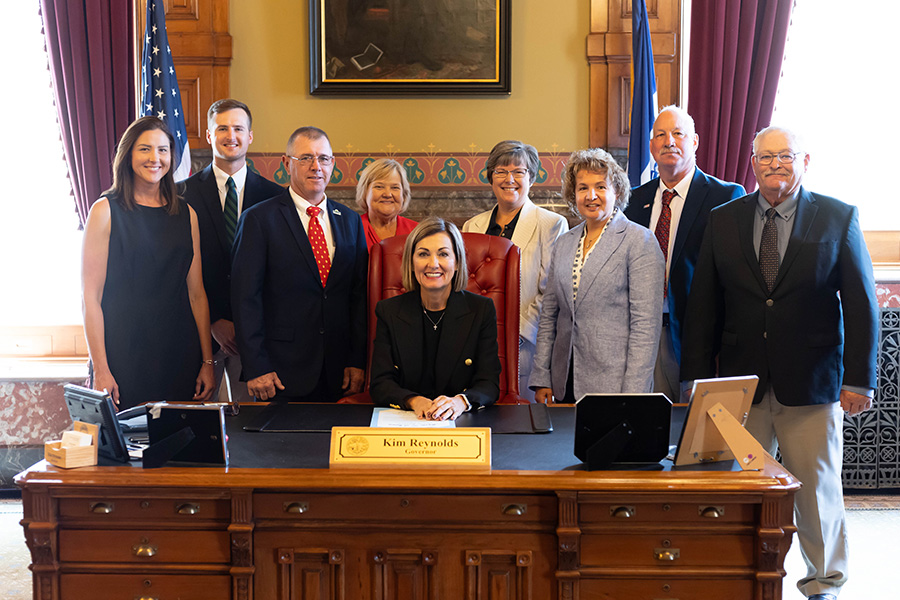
x: 410, y: 447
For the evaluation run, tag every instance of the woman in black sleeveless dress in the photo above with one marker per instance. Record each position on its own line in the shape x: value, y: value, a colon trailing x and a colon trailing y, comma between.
x: 146, y: 318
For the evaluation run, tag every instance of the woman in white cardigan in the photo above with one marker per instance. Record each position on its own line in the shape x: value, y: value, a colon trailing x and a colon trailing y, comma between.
x: 512, y: 168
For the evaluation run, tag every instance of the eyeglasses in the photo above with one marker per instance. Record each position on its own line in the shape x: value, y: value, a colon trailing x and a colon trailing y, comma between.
x: 784, y: 158
x: 306, y: 159
x: 517, y: 174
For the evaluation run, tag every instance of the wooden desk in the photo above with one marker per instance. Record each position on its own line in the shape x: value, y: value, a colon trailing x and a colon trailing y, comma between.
x: 303, y: 533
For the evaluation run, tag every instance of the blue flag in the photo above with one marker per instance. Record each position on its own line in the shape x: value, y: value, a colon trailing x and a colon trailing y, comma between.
x: 641, y: 166
x: 160, y: 94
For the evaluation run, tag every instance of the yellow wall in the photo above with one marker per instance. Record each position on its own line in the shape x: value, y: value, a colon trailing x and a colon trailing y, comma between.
x: 548, y: 106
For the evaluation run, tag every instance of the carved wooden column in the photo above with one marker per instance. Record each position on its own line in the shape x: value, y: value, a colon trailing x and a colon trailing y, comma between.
x: 609, y: 56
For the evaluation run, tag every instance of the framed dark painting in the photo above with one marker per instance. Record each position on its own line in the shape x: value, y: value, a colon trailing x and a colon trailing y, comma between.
x: 409, y: 47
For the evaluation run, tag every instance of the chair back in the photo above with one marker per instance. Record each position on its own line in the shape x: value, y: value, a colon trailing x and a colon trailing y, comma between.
x: 493, y: 264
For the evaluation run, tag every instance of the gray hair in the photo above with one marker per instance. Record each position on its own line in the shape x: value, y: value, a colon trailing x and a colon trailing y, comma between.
x: 513, y: 152
x: 795, y: 139
x: 681, y: 113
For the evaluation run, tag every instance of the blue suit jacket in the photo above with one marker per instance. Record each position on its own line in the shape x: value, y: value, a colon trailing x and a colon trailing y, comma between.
x: 286, y: 321
x: 815, y: 331
x: 706, y: 193
x: 202, y: 194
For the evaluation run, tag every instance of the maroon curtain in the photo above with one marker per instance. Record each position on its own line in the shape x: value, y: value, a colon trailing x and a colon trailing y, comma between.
x: 737, y: 47
x: 89, y: 47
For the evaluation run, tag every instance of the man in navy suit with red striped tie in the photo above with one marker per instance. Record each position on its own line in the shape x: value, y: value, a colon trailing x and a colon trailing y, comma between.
x: 675, y: 206
x: 299, y: 285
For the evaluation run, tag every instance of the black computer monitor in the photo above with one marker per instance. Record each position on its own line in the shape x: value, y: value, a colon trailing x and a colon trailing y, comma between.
x: 96, y: 407
x: 630, y: 429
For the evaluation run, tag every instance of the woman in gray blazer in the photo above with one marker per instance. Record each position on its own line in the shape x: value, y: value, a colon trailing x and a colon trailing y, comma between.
x: 602, y: 314
x: 511, y: 168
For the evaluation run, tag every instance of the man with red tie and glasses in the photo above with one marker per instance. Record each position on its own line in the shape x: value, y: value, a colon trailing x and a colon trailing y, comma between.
x: 299, y: 285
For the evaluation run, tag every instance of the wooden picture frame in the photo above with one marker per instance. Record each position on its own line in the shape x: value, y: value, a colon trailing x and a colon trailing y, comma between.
x: 409, y: 48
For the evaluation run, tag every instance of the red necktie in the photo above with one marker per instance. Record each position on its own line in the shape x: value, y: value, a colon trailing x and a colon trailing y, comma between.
x: 662, y: 231
x: 317, y: 240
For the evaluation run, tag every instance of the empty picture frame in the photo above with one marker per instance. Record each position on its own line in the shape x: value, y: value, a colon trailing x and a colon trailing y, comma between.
x: 700, y: 439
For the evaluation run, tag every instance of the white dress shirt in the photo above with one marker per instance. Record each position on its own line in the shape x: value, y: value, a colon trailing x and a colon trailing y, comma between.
x: 301, y: 204
x: 676, y: 206
x: 240, y: 178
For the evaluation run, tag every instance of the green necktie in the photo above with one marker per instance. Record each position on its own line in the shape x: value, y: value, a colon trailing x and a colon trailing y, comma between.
x: 231, y: 211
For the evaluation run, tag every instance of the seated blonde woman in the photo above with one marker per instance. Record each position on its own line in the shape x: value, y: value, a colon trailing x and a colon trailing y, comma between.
x: 383, y: 193
x: 435, y: 349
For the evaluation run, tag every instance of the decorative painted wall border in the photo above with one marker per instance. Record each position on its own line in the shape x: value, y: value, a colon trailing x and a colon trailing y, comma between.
x: 453, y: 170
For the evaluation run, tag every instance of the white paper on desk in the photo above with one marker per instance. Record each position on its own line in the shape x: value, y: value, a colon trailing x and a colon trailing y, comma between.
x: 391, y: 417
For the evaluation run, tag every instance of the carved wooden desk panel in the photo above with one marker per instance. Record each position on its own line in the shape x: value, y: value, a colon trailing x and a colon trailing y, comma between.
x: 284, y: 533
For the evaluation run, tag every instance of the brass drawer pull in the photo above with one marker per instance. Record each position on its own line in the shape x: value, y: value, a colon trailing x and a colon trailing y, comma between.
x: 622, y: 512
x: 667, y: 554
x: 514, y: 510
x: 187, y: 509
x: 102, y: 508
x: 297, y: 508
x: 145, y: 598
x: 144, y: 550
x: 711, y: 512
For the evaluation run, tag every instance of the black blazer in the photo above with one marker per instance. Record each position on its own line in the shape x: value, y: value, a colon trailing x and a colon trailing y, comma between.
x: 705, y: 193
x: 467, y: 359
x: 816, y: 331
x: 215, y: 251
x: 285, y: 320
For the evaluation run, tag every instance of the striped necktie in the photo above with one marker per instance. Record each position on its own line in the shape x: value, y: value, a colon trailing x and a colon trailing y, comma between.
x: 662, y: 231
x: 231, y: 211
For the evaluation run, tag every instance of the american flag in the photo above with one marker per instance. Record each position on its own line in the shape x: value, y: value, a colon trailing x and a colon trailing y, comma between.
x: 160, y: 87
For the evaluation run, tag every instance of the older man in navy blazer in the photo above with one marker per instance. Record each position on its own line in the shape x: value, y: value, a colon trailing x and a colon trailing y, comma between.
x: 784, y: 290
x: 678, y: 219
x: 299, y: 285
x: 219, y: 194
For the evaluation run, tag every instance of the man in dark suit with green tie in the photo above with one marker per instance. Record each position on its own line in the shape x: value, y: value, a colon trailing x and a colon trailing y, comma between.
x: 219, y: 194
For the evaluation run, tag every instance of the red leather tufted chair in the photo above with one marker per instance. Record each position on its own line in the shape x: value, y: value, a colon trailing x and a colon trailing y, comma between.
x: 493, y: 271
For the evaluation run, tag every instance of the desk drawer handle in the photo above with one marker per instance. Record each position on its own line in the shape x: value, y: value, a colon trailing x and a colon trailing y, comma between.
x: 622, y: 512
x: 297, y: 508
x: 144, y: 549
x: 667, y: 554
x: 187, y: 509
x: 102, y: 508
x: 712, y: 512
x: 145, y: 598
x: 514, y: 510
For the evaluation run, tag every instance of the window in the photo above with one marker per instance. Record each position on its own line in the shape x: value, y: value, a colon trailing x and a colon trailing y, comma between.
x: 838, y: 89
x: 40, y: 243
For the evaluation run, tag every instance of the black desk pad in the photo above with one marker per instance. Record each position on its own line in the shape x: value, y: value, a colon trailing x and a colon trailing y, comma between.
x: 279, y: 417
x: 549, y: 452
x: 318, y: 418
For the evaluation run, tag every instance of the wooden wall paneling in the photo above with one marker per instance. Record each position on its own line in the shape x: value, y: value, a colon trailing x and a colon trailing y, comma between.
x: 609, y: 56
x: 201, y: 49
